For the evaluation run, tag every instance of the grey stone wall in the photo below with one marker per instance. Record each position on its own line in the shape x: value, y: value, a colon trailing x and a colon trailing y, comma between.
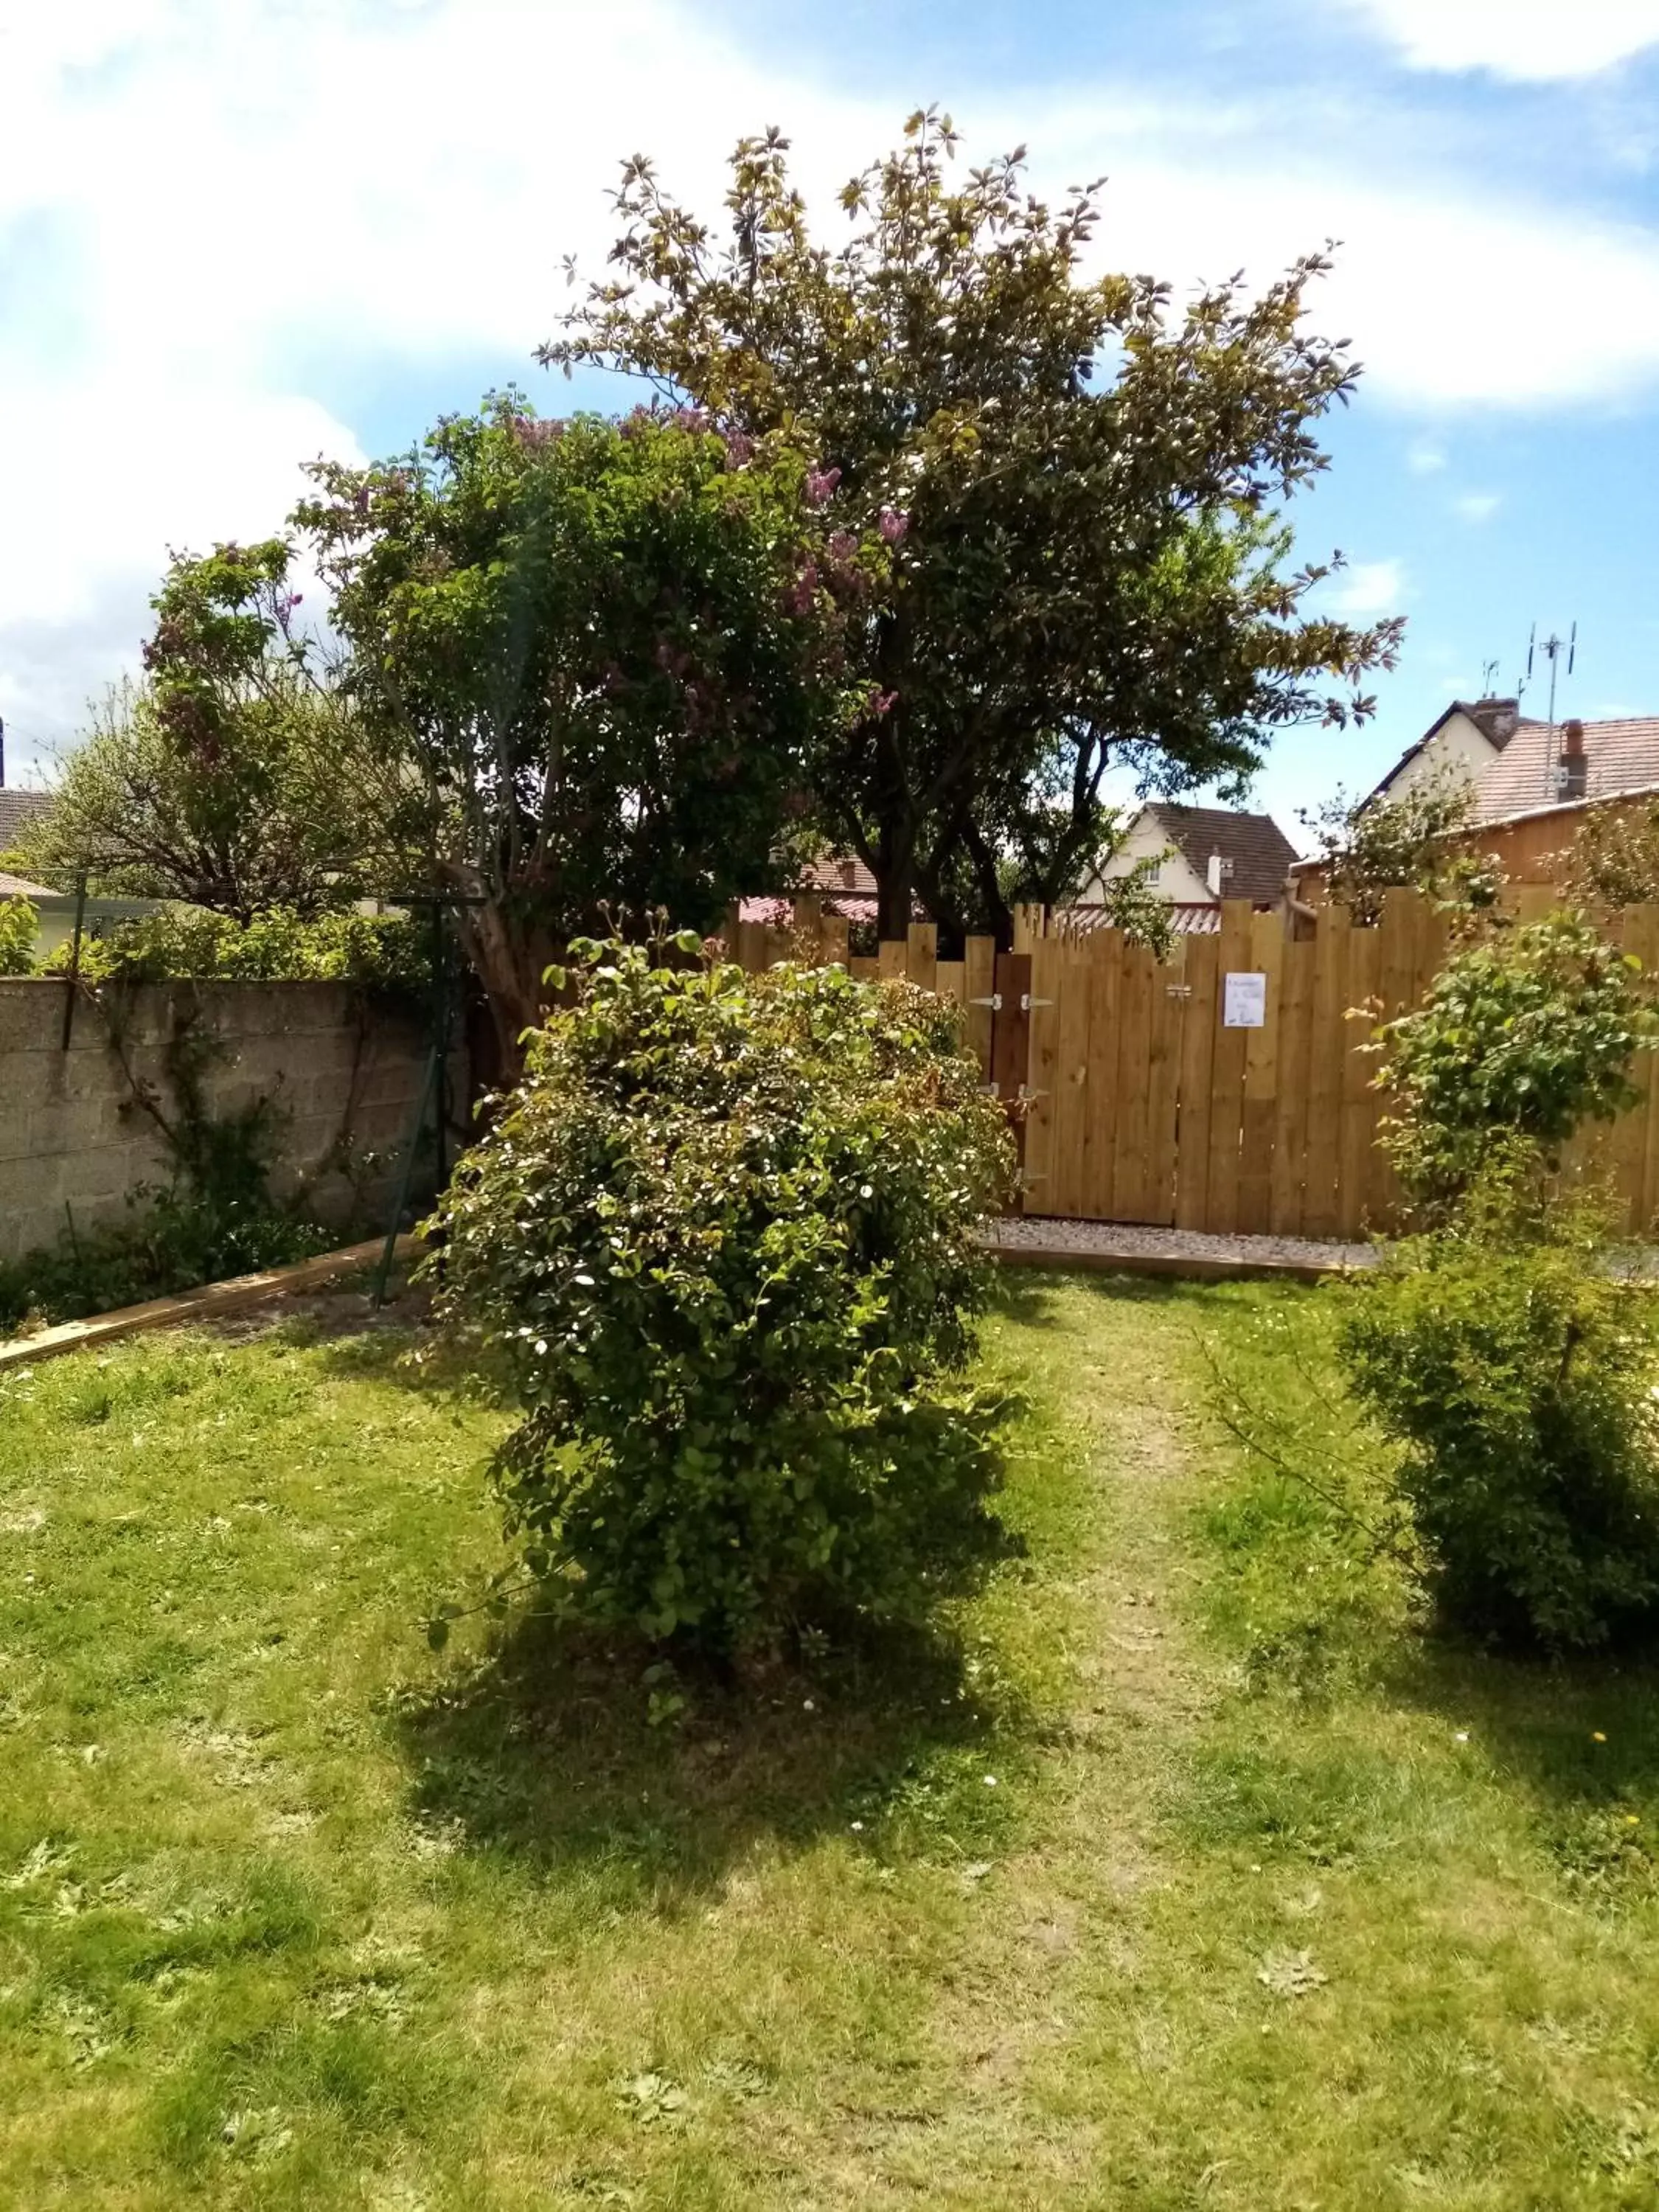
x: 73, y: 1135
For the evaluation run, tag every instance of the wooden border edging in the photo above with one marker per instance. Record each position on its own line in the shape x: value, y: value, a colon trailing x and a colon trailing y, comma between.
x: 1063, y: 1258
x: 205, y: 1304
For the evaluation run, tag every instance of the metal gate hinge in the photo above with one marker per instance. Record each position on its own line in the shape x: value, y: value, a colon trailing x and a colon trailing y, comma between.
x: 1026, y: 1002
x: 1028, y: 1095
x: 1178, y: 990
x: 990, y: 1091
x: 994, y: 1002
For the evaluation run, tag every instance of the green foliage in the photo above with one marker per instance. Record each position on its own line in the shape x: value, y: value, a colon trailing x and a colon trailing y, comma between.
x: 1412, y: 842
x: 177, y: 1238
x: 388, y: 953
x: 234, y: 777
x: 1521, y: 1038
x: 1517, y: 1375
x: 603, y: 654
x: 1081, y: 487
x: 1613, y: 860
x: 724, y: 1231
x: 20, y: 926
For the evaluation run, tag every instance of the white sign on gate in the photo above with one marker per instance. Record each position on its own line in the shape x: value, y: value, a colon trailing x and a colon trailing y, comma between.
x: 1244, y: 1002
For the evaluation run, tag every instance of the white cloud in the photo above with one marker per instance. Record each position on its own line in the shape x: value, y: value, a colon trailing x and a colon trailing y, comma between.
x: 1424, y: 460
x: 200, y: 200
x: 1539, y: 39
x: 1477, y: 505
x: 1367, y: 589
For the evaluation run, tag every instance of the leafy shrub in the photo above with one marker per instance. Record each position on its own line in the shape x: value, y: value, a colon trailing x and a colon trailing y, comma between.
x: 1521, y: 1036
x: 388, y: 952
x: 1416, y: 841
x: 1517, y: 1372
x: 724, y: 1231
x: 19, y: 924
x: 175, y: 1241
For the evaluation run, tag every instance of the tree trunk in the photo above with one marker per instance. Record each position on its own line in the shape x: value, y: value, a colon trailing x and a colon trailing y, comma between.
x: 510, y: 969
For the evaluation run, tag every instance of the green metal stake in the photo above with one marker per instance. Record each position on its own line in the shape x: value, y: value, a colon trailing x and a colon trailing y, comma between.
x: 429, y: 1085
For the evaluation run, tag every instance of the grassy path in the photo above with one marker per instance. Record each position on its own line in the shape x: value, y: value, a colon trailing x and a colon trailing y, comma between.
x: 1194, y: 1877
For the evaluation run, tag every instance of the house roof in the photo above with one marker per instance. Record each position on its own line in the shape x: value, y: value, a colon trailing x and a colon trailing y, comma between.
x: 1621, y: 754
x: 839, y: 872
x: 1262, y: 855
x: 17, y: 808
x: 17, y: 887
x: 1497, y: 719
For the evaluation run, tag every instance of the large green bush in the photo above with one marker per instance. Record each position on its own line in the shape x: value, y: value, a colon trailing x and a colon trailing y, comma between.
x: 1517, y: 1373
x: 726, y: 1232
x: 1520, y: 1038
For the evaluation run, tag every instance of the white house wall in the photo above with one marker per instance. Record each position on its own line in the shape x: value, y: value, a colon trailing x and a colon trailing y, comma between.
x: 1178, y: 880
x: 1458, y: 743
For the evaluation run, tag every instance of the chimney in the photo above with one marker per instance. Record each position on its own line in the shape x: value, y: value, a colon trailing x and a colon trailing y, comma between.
x: 1212, y: 875
x: 1495, y: 718
x: 1572, y: 777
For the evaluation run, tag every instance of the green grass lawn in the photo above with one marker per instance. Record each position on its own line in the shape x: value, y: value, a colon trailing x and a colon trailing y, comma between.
x: 1188, y: 1870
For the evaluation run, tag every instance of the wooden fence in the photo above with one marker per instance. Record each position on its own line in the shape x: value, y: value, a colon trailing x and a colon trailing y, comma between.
x: 1145, y: 1090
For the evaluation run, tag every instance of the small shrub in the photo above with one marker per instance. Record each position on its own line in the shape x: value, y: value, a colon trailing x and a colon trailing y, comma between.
x: 19, y: 926
x: 173, y: 1240
x: 1516, y: 1374
x: 724, y: 1229
x: 1521, y: 1038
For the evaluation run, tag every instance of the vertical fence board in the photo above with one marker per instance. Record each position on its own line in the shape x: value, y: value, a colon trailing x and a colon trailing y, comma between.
x: 1074, y: 1099
x: 922, y: 955
x: 980, y: 961
x: 1227, y: 1083
x: 1199, y: 1023
x: 1011, y: 1041
x: 1360, y: 1103
x: 1261, y: 1079
x: 948, y: 980
x: 832, y: 940
x: 1045, y: 957
x: 1290, y: 1140
x: 1101, y: 952
x: 1327, y: 1051
x: 1128, y: 1201
x: 865, y: 967
x: 892, y: 956
x: 1164, y: 1085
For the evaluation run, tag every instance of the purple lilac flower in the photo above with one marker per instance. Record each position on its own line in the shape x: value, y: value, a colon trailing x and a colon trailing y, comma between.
x: 892, y: 525
x: 821, y: 484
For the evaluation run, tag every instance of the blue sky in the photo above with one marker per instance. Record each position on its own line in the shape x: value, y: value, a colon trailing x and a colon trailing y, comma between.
x: 234, y: 233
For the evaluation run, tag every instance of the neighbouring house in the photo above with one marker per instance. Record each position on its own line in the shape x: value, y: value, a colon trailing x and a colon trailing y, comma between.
x: 845, y: 885
x: 1532, y: 781
x: 18, y: 808
x: 1200, y: 855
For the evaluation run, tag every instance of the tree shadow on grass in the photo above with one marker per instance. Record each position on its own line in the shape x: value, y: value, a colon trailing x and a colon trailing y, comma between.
x: 1580, y: 1732
x: 545, y: 1750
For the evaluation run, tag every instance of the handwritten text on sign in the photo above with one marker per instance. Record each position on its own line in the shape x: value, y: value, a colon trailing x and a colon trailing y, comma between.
x: 1244, y: 1002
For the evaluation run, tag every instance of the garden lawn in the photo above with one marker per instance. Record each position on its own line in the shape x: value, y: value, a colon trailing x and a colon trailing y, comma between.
x: 1192, y: 1874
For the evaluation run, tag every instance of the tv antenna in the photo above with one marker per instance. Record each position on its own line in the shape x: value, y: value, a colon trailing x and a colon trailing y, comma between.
x: 1488, y: 678
x: 1552, y: 647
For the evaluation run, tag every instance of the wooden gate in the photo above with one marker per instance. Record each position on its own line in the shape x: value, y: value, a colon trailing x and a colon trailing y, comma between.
x: 1138, y: 1101
x: 1150, y: 1105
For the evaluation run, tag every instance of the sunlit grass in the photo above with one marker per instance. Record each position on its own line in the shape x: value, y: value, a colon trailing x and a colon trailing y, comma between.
x: 1182, y: 1868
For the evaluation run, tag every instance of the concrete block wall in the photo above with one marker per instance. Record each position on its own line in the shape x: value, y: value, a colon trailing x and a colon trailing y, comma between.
x: 74, y: 1138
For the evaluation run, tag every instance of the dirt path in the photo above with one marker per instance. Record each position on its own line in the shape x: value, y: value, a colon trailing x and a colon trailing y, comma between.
x: 1061, y: 1917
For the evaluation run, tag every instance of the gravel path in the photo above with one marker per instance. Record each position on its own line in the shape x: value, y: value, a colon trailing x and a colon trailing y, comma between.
x: 1112, y: 1239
